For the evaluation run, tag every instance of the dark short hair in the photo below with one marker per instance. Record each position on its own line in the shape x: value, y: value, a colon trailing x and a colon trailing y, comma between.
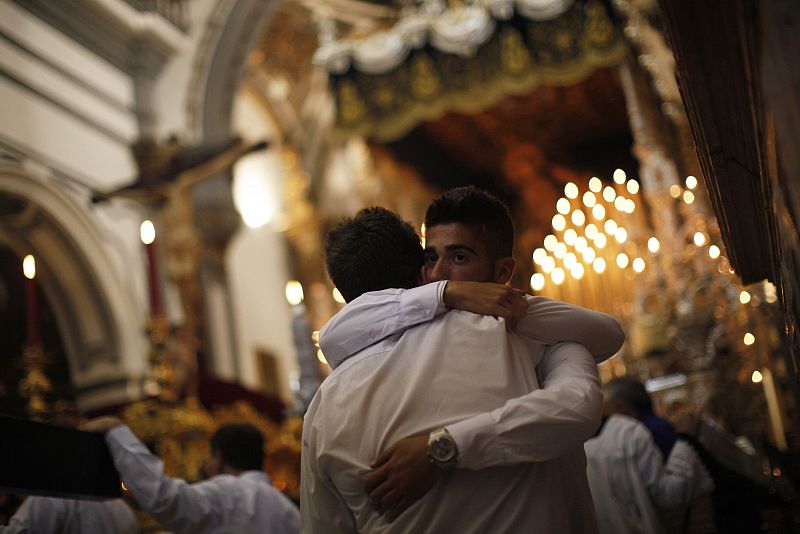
x: 374, y: 250
x: 482, y: 212
x: 629, y: 392
x: 240, y: 445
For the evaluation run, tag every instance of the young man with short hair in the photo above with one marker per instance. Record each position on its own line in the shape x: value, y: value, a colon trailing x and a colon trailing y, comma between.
x: 464, y: 389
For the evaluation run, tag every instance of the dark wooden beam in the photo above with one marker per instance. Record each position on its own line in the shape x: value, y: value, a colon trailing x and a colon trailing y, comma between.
x: 716, y: 50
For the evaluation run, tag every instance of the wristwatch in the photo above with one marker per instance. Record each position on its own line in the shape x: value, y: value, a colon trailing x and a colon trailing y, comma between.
x: 442, y: 450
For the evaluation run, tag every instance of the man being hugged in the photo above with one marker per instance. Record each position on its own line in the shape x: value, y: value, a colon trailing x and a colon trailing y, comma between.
x: 481, y: 443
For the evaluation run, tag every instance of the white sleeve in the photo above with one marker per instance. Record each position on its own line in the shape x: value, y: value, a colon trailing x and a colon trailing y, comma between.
x: 174, y: 503
x: 376, y: 315
x: 541, y: 425
x: 670, y: 484
x: 552, y: 321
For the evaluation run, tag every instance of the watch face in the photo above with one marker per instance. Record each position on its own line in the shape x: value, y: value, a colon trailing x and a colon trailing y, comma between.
x: 442, y: 449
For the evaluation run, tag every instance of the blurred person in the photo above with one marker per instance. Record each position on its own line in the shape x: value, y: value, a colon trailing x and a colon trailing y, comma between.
x: 51, y: 515
x: 238, y: 498
x: 628, y: 475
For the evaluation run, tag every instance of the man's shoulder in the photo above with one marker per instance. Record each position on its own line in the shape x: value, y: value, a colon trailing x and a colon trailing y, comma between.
x: 626, y: 423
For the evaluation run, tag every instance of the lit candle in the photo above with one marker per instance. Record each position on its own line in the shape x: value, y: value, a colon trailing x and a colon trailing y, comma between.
x: 148, y: 234
x: 31, y: 298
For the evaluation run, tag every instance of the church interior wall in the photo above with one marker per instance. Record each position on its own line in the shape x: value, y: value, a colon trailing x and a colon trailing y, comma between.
x: 257, y: 258
x: 96, y: 312
x: 62, y: 104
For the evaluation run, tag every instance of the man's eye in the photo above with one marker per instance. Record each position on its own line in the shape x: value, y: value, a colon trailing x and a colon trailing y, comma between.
x: 460, y: 258
x: 430, y: 258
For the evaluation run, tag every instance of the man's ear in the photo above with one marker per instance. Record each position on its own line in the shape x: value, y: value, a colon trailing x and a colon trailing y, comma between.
x: 503, y: 269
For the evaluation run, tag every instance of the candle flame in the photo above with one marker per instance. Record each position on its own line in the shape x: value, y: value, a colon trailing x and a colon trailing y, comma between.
x: 29, y: 267
x: 147, y: 232
x: 294, y: 292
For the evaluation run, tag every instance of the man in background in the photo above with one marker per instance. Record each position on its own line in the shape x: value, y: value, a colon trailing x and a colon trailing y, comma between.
x: 627, y: 473
x: 237, y: 499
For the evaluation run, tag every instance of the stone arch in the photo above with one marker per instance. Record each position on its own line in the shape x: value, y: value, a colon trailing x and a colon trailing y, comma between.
x: 219, y: 67
x: 102, y: 334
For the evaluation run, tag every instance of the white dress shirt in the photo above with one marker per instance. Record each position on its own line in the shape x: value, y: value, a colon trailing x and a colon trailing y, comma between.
x: 628, y: 477
x: 457, y: 367
x: 223, y: 504
x: 522, y: 430
x: 49, y: 515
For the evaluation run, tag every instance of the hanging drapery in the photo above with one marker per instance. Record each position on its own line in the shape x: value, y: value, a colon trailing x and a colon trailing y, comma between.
x: 465, y: 59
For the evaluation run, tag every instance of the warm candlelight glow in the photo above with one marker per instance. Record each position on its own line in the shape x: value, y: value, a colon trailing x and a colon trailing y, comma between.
x: 578, y: 218
x: 699, y: 239
x: 147, y: 232
x: 589, y: 255
x: 294, y: 292
x: 562, y: 206
x: 29, y: 267
x: 591, y: 231
x: 577, y: 271
x: 589, y: 199
x: 675, y: 191
x: 713, y: 251
x: 749, y: 339
x: 548, y: 264
x: 619, y: 203
x: 638, y: 265
x: 691, y: 182
x: 653, y: 245
x: 619, y: 176
x: 595, y: 184
x: 744, y: 297
x: 757, y: 377
x: 537, y: 281
x: 570, y: 236
x: 560, y: 250
x: 630, y: 206
x: 600, y: 240
x: 632, y: 186
x: 621, y: 235
x: 337, y: 295
x: 558, y: 276
x: 610, y: 226
x: 622, y: 260
x: 550, y: 242
x: 581, y: 243
x: 599, y: 265
x: 688, y: 197
x: 570, y: 260
x: 539, y: 255
x: 599, y: 212
x: 571, y: 190
x: 609, y: 194
x: 559, y: 223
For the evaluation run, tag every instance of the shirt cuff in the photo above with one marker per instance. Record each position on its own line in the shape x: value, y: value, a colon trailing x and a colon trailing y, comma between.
x: 121, y: 437
x: 423, y: 303
x: 473, y: 438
